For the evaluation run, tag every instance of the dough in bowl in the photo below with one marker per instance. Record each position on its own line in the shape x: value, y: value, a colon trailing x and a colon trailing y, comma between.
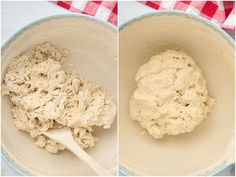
x: 45, y: 97
x: 171, y: 97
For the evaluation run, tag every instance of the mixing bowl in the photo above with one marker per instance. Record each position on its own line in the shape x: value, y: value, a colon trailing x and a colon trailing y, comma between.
x: 210, y: 147
x: 93, y: 47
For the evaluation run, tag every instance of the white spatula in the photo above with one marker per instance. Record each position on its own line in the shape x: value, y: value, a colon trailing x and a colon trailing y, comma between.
x: 64, y: 137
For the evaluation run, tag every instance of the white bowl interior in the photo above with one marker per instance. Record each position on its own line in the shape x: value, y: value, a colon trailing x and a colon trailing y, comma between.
x: 93, y: 46
x: 208, y: 145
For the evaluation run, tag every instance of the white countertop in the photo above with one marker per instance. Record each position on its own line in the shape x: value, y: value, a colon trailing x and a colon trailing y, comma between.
x: 29, y: 11
x: 16, y: 14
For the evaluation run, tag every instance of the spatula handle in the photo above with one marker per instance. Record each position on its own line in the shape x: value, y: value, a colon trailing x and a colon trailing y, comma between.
x: 79, y: 152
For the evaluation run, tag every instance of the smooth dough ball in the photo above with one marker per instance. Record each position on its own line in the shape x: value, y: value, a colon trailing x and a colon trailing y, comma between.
x: 171, y: 96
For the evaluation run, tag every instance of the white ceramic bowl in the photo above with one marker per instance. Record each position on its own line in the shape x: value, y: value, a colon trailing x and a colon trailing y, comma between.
x: 209, y: 148
x: 93, y: 46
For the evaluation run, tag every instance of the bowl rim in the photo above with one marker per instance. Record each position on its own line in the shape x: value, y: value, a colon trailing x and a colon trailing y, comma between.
x: 177, y: 12
x: 123, y: 170
x: 4, y: 156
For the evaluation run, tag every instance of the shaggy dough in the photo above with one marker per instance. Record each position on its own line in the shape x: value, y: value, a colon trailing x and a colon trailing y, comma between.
x: 44, y: 96
x: 171, y: 96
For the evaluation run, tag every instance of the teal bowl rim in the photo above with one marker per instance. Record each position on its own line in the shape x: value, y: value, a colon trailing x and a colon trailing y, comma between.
x: 122, y: 170
x: 177, y: 12
x: 4, y: 156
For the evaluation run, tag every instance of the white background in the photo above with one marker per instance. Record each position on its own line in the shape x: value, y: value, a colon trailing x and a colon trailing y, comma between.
x: 16, y: 14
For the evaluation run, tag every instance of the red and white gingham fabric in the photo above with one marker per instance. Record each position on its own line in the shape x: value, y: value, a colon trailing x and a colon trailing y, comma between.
x: 222, y: 13
x: 104, y: 10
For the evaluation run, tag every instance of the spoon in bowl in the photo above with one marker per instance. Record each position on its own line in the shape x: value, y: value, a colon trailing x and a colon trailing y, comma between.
x: 65, y: 137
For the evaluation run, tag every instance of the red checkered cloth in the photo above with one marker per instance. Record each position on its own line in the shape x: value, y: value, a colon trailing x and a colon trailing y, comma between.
x: 222, y: 13
x: 105, y: 10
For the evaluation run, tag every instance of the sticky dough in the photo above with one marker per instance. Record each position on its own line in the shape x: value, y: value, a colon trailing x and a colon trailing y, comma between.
x: 171, y: 97
x: 45, y: 97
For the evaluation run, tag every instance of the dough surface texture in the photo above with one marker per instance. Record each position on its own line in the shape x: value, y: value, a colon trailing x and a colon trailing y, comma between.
x: 171, y: 97
x: 45, y: 97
